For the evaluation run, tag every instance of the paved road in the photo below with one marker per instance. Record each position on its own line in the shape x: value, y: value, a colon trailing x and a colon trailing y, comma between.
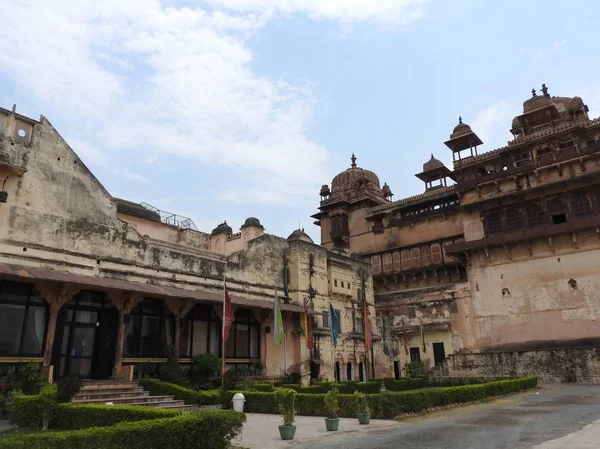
x: 516, y: 422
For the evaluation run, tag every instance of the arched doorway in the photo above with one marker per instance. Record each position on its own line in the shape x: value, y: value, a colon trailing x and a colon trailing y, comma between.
x: 349, y: 371
x: 86, y: 334
x: 361, y: 371
x: 338, y: 371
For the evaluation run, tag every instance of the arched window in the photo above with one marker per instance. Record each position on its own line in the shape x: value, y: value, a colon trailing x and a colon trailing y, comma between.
x: 349, y: 371
x: 361, y: 372
x: 338, y: 371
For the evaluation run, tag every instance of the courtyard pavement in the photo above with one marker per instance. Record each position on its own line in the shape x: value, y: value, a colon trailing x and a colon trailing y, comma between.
x: 262, y: 432
x: 551, y: 417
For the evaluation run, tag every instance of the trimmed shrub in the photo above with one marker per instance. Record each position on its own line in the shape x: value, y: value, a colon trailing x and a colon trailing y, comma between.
x: 171, y: 371
x: 209, y: 428
x: 68, y: 387
x: 388, y: 404
x: 80, y: 416
x: 29, y: 411
x: 159, y: 388
x: 264, y: 387
x: 295, y: 387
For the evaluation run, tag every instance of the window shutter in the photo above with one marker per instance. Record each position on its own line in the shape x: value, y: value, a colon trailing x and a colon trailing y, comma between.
x: 376, y: 264
x: 387, y: 263
x: 436, y: 254
x: 405, y: 256
x: 415, y: 258
x: 426, y: 255
x: 397, y: 261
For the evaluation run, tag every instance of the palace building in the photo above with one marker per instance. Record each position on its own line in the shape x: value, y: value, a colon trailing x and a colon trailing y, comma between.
x: 494, y: 269
x: 97, y: 286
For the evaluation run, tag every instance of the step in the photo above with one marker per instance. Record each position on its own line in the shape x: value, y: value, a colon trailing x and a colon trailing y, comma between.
x: 159, y: 404
x: 128, y: 400
x: 111, y: 394
x: 109, y: 386
x: 185, y: 407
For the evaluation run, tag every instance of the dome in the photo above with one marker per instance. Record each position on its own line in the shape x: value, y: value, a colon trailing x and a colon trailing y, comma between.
x: 222, y: 228
x: 461, y: 129
x: 536, y: 102
x: 251, y: 221
x: 299, y: 234
x: 387, y: 191
x: 434, y: 163
x: 355, y: 177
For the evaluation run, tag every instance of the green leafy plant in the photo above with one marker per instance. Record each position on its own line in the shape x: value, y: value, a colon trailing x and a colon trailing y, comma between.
x: 286, y: 403
x: 171, y: 371
x: 204, y: 366
x: 68, y: 387
x: 230, y: 379
x: 30, y: 378
x: 331, y: 401
x: 360, y: 404
x: 291, y: 378
x: 415, y: 369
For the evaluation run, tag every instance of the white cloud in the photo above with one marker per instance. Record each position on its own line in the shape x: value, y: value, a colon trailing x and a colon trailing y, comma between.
x: 491, y: 124
x: 390, y: 12
x: 152, y: 77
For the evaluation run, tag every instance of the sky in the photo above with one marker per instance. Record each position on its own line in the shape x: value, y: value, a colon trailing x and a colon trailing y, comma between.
x: 224, y: 109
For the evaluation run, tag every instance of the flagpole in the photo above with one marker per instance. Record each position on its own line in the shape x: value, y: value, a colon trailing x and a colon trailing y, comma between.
x: 332, y: 311
x: 223, y: 334
x: 284, y: 347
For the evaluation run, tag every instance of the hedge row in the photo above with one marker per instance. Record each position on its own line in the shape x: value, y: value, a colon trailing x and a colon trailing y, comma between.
x: 369, y: 387
x: 159, y: 388
x: 388, y: 404
x: 28, y: 412
x: 207, y: 428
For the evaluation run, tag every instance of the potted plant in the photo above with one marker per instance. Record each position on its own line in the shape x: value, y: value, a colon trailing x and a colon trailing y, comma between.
x: 286, y: 403
x: 363, y: 413
x: 332, y: 408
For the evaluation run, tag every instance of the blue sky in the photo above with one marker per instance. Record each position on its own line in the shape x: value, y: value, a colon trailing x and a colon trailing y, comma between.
x: 224, y: 109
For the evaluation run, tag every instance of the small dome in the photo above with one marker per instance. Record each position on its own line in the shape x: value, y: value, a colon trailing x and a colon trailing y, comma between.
x: 325, y: 190
x: 252, y: 221
x: 222, y: 228
x: 460, y: 129
x: 434, y: 163
x: 299, y: 234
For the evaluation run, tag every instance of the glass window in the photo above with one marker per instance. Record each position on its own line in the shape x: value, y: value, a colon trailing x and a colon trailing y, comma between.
x: 22, y: 320
x: 244, y: 338
x: 149, y: 330
x: 35, y: 328
x: 325, y: 320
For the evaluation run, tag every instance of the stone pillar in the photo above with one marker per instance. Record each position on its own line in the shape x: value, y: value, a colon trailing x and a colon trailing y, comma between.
x: 179, y: 308
x: 124, y: 303
x: 56, y: 295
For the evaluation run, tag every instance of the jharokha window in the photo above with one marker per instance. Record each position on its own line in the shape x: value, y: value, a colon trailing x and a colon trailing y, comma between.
x: 149, y: 330
x: 22, y: 320
x: 492, y: 222
x: 580, y: 205
x: 514, y: 219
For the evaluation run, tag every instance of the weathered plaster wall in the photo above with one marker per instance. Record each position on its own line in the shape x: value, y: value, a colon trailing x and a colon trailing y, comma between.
x: 545, y: 302
x: 571, y: 365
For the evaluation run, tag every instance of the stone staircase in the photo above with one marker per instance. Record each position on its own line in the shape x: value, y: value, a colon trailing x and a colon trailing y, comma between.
x: 125, y: 393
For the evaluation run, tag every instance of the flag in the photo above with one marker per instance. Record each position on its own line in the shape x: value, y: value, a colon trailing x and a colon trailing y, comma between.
x: 228, y: 315
x: 368, y: 334
x: 422, y: 335
x: 277, y: 322
x: 335, y: 324
x: 308, y: 334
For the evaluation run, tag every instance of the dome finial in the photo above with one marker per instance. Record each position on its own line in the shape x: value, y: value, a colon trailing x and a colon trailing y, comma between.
x: 545, y: 91
x: 432, y: 156
x: 533, y: 94
x: 353, y: 159
x: 459, y: 119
